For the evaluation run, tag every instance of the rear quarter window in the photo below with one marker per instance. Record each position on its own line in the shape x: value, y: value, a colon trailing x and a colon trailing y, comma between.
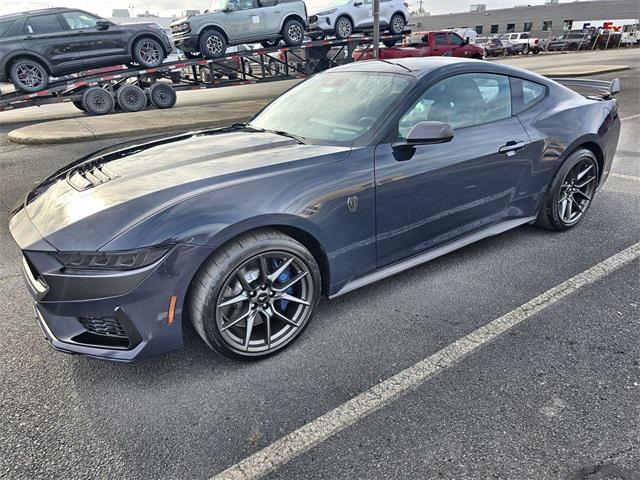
x: 526, y: 94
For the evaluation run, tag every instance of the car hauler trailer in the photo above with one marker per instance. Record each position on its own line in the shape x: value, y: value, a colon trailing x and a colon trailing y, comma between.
x: 132, y: 89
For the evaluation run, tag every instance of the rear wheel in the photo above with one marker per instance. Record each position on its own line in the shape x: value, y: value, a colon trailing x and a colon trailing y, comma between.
x: 131, y: 98
x: 293, y: 32
x: 29, y: 75
x: 396, y: 24
x: 255, y: 296
x: 213, y: 44
x: 344, y: 28
x: 571, y: 192
x: 162, y: 95
x: 98, y: 101
x: 148, y: 53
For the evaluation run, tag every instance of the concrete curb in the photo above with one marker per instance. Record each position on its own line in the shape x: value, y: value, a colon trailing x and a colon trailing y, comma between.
x: 148, y: 122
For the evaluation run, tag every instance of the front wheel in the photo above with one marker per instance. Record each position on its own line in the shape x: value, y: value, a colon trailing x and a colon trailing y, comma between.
x: 344, y: 28
x: 571, y: 192
x: 213, y: 44
x: 293, y: 32
x: 255, y: 296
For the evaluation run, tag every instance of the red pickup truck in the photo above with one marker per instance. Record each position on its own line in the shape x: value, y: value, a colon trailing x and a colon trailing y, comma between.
x: 426, y: 44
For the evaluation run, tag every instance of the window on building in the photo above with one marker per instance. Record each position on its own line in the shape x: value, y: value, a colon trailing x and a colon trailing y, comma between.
x: 567, y: 25
x: 547, y: 25
x: 494, y: 28
x: 511, y: 27
x: 479, y: 29
x: 528, y: 26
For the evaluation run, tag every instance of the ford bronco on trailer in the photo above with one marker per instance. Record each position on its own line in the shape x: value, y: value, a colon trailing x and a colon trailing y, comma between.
x: 232, y: 22
x: 59, y: 41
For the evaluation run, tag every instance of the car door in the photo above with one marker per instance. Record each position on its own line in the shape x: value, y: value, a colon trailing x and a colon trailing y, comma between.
x: 362, y: 14
x: 270, y: 14
x: 428, y: 195
x: 47, y: 35
x: 440, y: 44
x: 94, y: 46
x: 242, y: 21
x: 387, y: 8
x: 457, y: 46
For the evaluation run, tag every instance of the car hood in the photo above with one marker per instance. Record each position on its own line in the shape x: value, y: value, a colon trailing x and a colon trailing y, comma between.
x: 89, y: 203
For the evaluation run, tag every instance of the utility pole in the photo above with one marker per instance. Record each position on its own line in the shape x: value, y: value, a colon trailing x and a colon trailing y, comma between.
x: 376, y: 28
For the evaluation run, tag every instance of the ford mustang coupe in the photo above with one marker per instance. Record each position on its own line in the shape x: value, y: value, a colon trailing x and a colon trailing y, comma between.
x: 356, y: 174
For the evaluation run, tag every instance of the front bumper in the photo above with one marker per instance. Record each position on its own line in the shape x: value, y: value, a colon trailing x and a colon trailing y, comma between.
x: 118, y: 316
x: 187, y: 43
x: 322, y: 23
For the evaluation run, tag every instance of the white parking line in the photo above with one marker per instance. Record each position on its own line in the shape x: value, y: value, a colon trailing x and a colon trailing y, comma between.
x: 296, y: 443
x: 626, y: 177
x: 624, y: 119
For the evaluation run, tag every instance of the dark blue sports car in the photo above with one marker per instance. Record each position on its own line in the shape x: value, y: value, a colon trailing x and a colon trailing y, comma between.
x: 356, y: 174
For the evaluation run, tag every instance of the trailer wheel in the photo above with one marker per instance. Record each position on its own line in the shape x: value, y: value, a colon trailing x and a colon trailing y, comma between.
x: 389, y: 43
x: 213, y: 44
x: 98, y: 101
x: 162, y: 95
x: 29, y: 75
x: 131, y: 98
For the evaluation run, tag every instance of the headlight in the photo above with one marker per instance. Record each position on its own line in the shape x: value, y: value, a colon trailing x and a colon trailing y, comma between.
x: 181, y: 28
x: 327, y: 12
x: 119, y: 260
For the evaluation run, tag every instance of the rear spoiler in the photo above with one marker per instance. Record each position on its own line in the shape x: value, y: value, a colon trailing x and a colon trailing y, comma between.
x: 599, y: 88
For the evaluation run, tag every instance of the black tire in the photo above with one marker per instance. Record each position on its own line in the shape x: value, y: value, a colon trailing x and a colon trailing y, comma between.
x: 343, y: 28
x: 191, y: 55
x: 274, y: 68
x: 213, y: 44
x: 148, y: 53
x: 293, y: 32
x: 247, y: 69
x: 162, y: 95
x: 551, y: 213
x: 535, y: 51
x: 212, y: 282
x: 389, y: 43
x: 98, y: 101
x: 78, y: 105
x: 477, y: 56
x: 397, y: 24
x: 270, y: 43
x: 131, y: 98
x: 29, y: 75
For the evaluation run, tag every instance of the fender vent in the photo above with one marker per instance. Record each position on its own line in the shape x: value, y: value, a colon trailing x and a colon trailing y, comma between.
x: 90, y: 174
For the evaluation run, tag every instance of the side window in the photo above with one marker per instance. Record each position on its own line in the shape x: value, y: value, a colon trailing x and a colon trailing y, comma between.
x: 241, y: 4
x: 524, y: 35
x: 455, y: 39
x: 4, y: 27
x: 441, y: 39
x: 79, y: 20
x: 526, y: 94
x: 44, y: 24
x: 461, y: 101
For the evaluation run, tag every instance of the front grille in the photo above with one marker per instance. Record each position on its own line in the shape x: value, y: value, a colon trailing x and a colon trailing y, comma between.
x: 90, y: 174
x: 106, y: 326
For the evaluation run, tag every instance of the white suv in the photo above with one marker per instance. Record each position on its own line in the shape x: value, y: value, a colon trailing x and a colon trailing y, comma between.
x: 344, y: 17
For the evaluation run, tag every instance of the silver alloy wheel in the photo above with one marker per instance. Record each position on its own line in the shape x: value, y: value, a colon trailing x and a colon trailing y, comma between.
x: 264, y: 302
x: 576, y: 191
x: 344, y: 27
x: 30, y: 76
x: 149, y: 52
x: 397, y: 25
x: 214, y: 44
x: 295, y: 33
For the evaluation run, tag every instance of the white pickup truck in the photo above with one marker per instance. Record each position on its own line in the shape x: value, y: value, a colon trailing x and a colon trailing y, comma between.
x: 533, y: 45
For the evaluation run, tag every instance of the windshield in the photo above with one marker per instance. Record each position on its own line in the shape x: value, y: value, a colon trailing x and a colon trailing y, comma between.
x: 218, y: 5
x: 334, y: 108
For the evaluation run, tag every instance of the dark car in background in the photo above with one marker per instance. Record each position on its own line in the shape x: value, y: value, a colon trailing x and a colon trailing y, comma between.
x: 356, y: 174
x: 571, y: 41
x: 496, y: 48
x: 53, y: 42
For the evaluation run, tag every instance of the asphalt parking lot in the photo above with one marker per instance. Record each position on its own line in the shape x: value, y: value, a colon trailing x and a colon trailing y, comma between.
x: 557, y: 396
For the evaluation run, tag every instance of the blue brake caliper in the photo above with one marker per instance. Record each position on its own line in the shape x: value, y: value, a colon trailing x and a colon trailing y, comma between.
x: 283, y: 278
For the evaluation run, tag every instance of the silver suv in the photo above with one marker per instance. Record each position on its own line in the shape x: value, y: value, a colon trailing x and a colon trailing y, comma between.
x: 232, y: 22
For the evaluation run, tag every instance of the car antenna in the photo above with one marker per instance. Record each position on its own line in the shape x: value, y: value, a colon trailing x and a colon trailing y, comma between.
x: 396, y: 64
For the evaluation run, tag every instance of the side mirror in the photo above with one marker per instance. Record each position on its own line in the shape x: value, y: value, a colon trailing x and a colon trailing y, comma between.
x: 357, y: 3
x: 103, y: 25
x: 425, y: 133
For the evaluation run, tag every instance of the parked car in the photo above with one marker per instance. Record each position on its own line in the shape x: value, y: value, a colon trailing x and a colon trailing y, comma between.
x: 630, y: 34
x: 495, y: 47
x: 571, y: 41
x: 529, y: 44
x: 353, y: 175
x: 343, y: 18
x: 426, y: 44
x: 54, y: 42
x: 233, y: 22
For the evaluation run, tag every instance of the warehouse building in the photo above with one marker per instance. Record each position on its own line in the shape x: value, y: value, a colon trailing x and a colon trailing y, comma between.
x: 541, y: 20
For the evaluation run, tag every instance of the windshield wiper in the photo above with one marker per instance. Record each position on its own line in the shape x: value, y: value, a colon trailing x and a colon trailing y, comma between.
x: 297, y: 138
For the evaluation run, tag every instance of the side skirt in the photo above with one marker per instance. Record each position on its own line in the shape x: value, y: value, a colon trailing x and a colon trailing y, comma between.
x: 431, y: 254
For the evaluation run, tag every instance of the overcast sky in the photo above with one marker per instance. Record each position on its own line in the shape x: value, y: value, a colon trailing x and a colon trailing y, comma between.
x: 170, y: 7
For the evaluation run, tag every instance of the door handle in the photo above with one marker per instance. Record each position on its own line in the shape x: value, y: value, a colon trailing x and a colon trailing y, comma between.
x: 511, y: 147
